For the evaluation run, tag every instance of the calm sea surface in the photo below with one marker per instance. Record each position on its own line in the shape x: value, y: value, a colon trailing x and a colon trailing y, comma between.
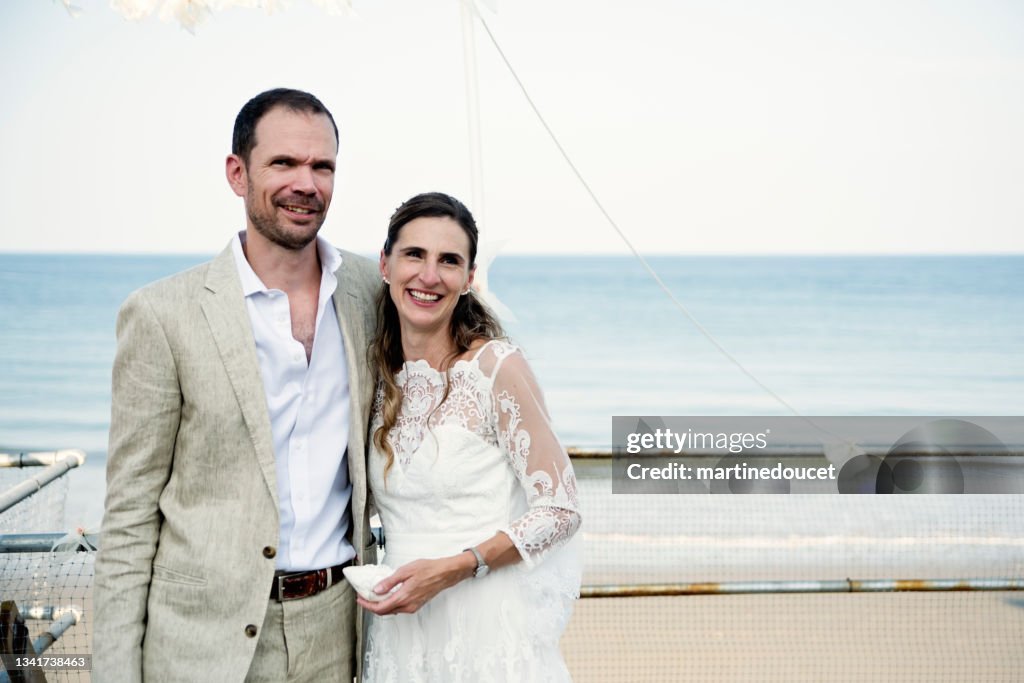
x: 930, y: 335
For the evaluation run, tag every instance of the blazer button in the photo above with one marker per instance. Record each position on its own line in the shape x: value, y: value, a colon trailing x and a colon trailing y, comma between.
x: 269, y: 552
x: 250, y: 631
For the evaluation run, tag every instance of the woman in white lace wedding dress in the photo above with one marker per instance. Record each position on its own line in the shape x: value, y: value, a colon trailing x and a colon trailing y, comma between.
x: 476, y: 495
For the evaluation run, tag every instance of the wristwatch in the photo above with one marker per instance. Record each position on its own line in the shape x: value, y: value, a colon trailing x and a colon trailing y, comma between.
x: 481, y: 566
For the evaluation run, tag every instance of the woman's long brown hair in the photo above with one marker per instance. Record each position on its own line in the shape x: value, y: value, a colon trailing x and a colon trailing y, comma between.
x: 471, y: 319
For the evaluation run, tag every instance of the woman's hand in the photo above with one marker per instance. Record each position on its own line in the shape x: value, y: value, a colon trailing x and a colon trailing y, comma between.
x: 419, y: 582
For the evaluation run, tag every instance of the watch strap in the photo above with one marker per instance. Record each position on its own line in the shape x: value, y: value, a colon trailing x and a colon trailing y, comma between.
x: 481, y: 565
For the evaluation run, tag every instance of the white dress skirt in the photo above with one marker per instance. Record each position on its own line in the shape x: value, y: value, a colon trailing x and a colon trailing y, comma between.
x: 486, y: 460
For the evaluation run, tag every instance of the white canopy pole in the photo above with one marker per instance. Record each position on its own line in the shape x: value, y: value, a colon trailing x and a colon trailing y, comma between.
x: 475, y: 146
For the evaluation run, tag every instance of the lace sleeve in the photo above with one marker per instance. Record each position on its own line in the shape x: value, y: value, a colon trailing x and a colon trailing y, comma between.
x: 538, y: 459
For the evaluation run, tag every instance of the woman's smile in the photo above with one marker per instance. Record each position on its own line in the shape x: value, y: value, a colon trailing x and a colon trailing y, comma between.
x: 424, y: 297
x: 428, y: 270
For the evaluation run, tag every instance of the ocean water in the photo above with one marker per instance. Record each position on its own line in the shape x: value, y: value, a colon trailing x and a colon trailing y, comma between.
x: 831, y: 335
x: 866, y: 335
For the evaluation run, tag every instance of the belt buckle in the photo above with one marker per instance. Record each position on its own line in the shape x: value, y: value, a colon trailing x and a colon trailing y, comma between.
x: 305, y: 584
x: 282, y: 586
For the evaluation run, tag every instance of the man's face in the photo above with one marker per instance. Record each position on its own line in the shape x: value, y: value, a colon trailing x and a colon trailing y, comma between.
x: 289, y: 179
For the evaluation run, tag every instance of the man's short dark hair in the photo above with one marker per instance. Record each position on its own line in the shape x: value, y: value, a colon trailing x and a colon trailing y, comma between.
x: 243, y: 139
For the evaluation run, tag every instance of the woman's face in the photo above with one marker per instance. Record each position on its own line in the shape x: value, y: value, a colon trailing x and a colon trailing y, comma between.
x: 428, y: 269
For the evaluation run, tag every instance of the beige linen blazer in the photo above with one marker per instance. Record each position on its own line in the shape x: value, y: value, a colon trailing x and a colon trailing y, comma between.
x: 191, y: 516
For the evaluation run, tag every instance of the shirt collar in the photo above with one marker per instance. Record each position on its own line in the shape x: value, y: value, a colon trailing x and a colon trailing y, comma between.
x: 330, y: 261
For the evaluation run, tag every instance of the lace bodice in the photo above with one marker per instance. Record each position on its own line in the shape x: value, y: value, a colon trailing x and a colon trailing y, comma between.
x: 495, y: 399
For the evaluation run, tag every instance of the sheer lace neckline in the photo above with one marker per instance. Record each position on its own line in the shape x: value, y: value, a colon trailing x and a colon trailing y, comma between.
x: 422, y: 365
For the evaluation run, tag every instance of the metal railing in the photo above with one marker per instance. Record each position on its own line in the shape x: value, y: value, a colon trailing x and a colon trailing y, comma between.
x: 779, y: 587
x: 45, y: 542
x: 56, y: 463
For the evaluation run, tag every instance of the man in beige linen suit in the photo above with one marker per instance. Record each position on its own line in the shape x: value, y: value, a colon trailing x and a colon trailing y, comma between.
x: 236, y: 486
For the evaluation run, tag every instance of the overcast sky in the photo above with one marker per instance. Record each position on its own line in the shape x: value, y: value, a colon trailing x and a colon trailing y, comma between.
x: 705, y: 127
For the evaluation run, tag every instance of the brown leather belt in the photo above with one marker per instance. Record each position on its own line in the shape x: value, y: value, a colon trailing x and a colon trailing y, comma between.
x: 295, y: 585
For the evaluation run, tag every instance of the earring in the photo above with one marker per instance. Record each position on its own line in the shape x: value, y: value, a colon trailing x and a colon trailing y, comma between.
x: 465, y: 293
x: 385, y: 280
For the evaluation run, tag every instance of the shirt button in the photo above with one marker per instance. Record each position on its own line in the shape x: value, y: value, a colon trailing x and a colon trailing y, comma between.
x: 250, y: 631
x: 269, y: 552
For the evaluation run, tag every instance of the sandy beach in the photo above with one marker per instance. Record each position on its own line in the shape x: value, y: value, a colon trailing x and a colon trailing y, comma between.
x: 827, y: 637
x: 934, y: 637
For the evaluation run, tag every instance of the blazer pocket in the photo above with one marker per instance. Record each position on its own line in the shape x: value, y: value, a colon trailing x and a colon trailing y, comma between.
x: 165, y: 574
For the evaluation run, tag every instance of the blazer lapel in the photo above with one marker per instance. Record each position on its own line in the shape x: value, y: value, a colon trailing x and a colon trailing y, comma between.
x: 225, y: 311
x: 348, y: 306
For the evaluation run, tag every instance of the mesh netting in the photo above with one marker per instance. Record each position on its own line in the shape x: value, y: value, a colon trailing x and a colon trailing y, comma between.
x: 52, y: 583
x: 920, y: 636
x: 46, y: 585
x: 669, y: 539
x: 924, y: 637
x: 43, y: 511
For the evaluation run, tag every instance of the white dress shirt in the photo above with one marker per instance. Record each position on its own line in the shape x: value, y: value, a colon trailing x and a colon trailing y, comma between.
x: 309, y: 417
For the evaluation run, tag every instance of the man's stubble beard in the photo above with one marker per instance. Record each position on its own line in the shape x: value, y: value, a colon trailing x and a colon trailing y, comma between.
x: 270, y: 228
